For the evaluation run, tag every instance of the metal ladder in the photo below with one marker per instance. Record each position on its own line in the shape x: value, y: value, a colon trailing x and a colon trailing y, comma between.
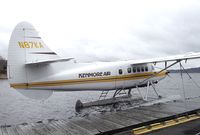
x: 103, y: 94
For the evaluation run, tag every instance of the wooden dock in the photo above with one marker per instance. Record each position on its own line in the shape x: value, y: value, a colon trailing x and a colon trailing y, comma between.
x: 108, y: 122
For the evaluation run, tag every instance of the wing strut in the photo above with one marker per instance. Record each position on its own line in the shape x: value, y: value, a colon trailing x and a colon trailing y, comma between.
x: 189, y: 76
x: 183, y: 88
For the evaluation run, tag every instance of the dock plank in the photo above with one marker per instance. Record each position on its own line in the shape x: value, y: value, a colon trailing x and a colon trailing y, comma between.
x: 19, y: 130
x: 43, y: 128
x: 72, y: 128
x: 58, y: 130
x: 109, y: 121
x: 84, y: 123
x: 39, y: 129
x: 121, y: 120
x: 1, y: 132
x: 28, y: 129
x: 103, y: 125
x: 23, y: 129
x: 4, y: 130
x: 135, y: 115
x: 12, y: 131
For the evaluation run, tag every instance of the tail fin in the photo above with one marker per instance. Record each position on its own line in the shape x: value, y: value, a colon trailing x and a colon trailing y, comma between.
x: 25, y: 46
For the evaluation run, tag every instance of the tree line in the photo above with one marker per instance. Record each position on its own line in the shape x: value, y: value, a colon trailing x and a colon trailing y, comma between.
x: 3, y: 66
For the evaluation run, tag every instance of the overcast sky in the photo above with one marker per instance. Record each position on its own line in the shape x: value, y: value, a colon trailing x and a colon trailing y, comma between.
x: 105, y: 30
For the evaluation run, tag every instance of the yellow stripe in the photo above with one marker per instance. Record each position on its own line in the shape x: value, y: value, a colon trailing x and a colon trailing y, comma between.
x: 88, y: 80
x: 19, y: 85
x: 169, y: 123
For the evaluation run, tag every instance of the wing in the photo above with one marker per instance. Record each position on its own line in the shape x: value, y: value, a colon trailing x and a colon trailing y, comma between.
x: 175, y: 58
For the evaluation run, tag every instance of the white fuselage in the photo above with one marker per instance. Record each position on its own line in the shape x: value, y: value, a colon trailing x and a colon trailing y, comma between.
x: 89, y: 76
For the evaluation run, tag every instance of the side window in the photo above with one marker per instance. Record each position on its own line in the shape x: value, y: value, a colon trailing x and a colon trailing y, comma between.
x: 120, y: 71
x: 138, y: 69
x: 146, y: 68
x: 142, y: 69
x: 134, y: 69
x: 129, y: 70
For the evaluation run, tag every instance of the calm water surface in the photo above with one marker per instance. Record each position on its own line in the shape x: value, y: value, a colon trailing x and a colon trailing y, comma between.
x: 16, y: 109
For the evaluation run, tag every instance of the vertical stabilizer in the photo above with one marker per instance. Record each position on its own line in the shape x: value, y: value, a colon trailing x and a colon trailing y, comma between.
x: 25, y: 46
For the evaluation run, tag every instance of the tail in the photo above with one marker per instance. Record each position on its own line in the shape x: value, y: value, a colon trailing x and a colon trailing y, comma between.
x: 25, y: 46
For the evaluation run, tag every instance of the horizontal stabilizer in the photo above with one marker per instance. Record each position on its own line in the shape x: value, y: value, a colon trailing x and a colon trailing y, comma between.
x: 48, y: 61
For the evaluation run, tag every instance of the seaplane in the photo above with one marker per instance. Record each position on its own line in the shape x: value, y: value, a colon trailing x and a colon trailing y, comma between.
x: 36, y: 71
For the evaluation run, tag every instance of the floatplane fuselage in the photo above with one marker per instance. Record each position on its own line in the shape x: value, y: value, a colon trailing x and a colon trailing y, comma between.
x: 89, y: 76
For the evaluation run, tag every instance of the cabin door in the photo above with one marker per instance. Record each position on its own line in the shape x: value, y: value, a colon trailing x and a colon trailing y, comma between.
x: 120, y: 78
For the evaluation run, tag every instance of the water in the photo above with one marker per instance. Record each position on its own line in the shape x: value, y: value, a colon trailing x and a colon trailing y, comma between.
x: 16, y: 109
